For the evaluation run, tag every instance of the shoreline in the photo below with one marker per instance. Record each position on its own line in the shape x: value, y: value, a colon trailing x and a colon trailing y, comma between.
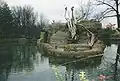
x: 82, y: 52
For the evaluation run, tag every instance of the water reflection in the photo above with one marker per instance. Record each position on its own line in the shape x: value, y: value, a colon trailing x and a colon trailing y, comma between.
x: 117, y: 62
x: 109, y: 57
x: 108, y: 66
x: 74, y: 67
x: 25, y: 63
x: 15, y: 59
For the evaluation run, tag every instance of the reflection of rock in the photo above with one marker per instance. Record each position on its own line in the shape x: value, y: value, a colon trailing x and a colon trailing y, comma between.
x: 78, y: 64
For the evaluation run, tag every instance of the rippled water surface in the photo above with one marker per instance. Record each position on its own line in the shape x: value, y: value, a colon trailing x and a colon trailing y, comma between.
x: 24, y: 62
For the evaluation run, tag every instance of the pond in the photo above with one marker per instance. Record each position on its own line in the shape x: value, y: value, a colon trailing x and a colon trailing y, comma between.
x: 24, y: 62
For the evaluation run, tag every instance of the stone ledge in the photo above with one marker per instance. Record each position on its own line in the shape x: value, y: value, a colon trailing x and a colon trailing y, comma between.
x: 82, y: 52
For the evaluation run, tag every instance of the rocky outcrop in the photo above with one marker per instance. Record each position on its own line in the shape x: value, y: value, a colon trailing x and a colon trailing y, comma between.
x: 61, y: 44
x: 72, y: 50
x: 59, y: 38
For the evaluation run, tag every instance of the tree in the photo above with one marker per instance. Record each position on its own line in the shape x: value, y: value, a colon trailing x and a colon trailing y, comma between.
x: 24, y: 18
x: 112, y: 6
x: 72, y: 26
x: 85, y: 11
x: 116, y: 62
x: 6, y: 20
x: 42, y: 22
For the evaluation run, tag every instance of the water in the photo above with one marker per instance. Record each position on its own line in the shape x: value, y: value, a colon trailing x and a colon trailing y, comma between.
x: 24, y: 62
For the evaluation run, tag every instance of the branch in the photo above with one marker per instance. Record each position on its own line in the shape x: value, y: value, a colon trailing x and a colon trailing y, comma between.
x: 106, y: 11
x: 118, y: 2
x: 72, y: 8
x: 79, y: 19
x: 85, y: 28
x: 110, y: 16
x: 102, y: 15
x: 66, y: 13
x: 106, y: 4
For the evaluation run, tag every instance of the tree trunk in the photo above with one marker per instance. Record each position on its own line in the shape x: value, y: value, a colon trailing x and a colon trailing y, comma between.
x: 72, y: 29
x: 71, y: 24
x: 92, y: 39
x: 117, y: 12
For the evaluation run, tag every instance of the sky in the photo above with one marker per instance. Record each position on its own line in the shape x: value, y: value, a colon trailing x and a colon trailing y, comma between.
x: 52, y: 9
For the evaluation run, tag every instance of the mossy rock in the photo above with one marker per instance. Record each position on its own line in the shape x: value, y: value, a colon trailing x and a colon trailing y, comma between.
x: 72, y: 51
x: 59, y: 38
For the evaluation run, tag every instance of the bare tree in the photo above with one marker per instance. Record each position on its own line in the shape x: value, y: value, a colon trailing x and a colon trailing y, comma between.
x: 73, y: 23
x: 6, y: 19
x: 24, y: 17
x: 1, y: 2
x: 42, y: 21
x: 85, y: 11
x: 112, y: 6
